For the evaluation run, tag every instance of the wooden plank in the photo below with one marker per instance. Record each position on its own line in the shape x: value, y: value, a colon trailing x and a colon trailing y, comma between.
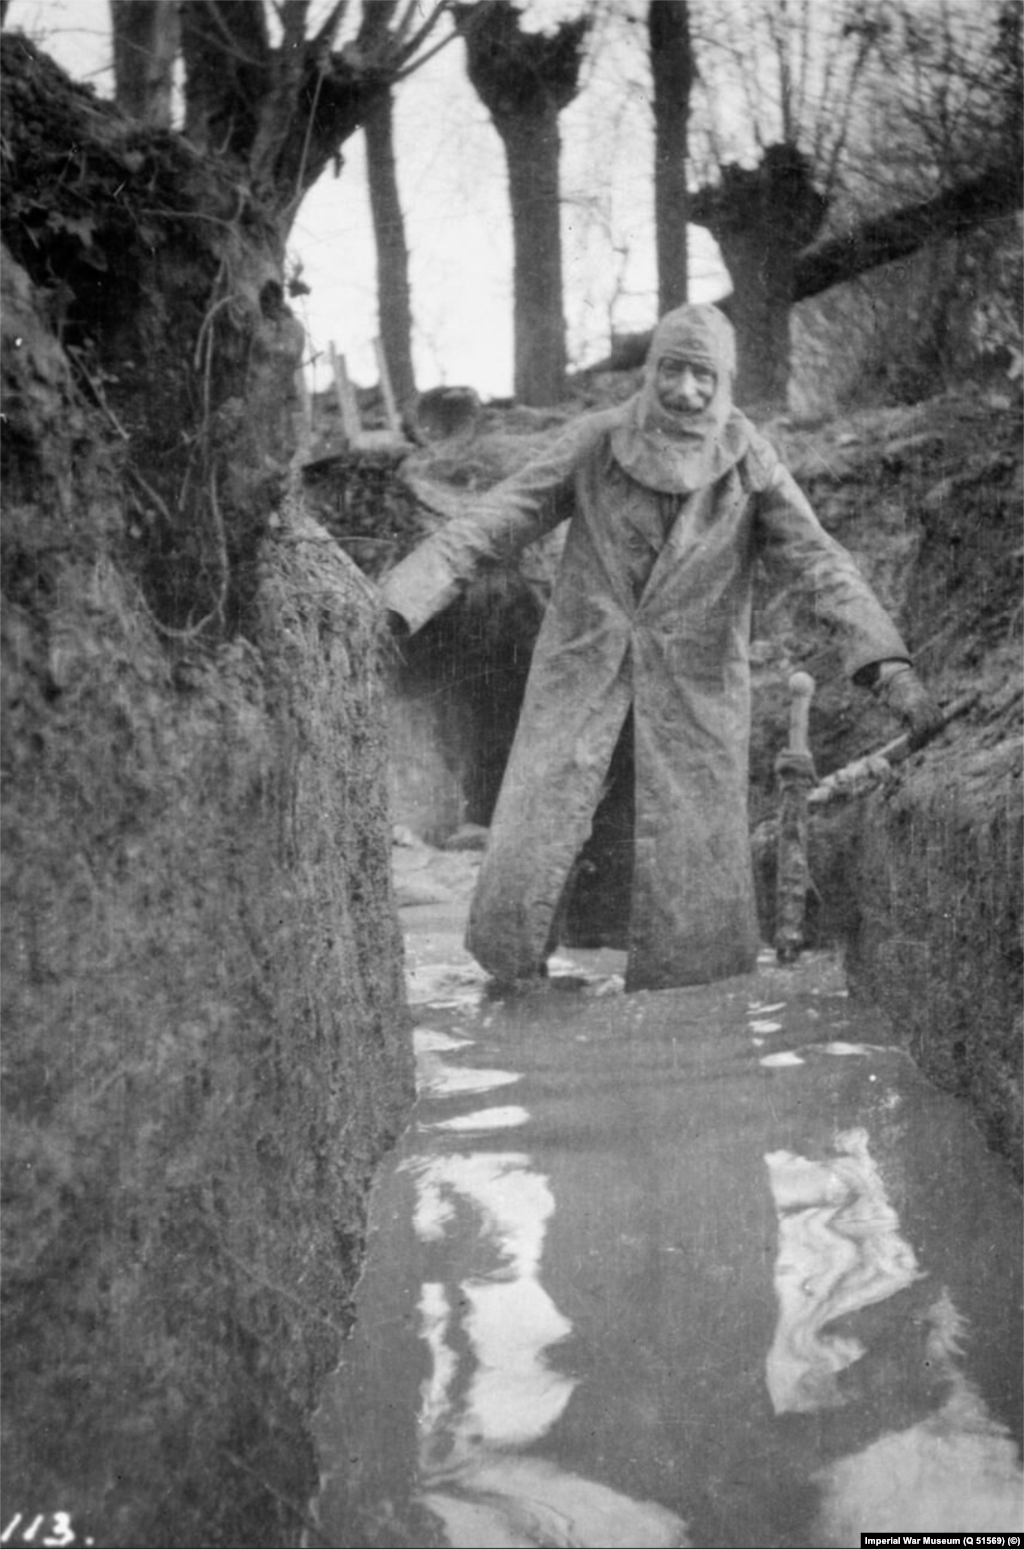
x: 305, y: 436
x: 390, y: 407
x: 351, y: 425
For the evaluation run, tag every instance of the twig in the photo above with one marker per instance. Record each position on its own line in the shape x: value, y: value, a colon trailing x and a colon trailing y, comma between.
x: 98, y: 393
x: 207, y: 320
x: 165, y: 629
x: 151, y: 492
x: 297, y: 195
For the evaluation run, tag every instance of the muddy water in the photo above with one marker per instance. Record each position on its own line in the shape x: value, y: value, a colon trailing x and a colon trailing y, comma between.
x: 702, y: 1267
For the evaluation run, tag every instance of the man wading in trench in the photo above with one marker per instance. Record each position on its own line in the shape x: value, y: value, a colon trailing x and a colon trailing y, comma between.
x: 639, y: 689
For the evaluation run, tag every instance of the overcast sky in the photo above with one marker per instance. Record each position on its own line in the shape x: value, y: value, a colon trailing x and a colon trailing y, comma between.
x: 452, y: 183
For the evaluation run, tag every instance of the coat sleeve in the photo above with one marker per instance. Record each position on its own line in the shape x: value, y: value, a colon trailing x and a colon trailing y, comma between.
x: 797, y: 549
x: 509, y: 517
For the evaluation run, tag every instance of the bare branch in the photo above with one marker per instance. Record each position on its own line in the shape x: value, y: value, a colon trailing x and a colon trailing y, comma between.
x: 429, y: 53
x: 418, y: 39
x: 902, y: 231
x: 329, y: 31
x: 406, y: 20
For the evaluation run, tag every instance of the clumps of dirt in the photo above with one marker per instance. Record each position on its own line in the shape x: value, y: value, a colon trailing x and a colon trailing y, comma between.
x: 160, y: 278
x: 361, y: 499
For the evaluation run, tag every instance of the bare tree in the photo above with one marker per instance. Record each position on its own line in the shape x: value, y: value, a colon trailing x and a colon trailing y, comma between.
x: 146, y: 41
x: 673, y: 71
x: 829, y: 139
x: 394, y: 295
x: 394, y: 298
x: 525, y: 79
x: 781, y: 81
x: 944, y: 101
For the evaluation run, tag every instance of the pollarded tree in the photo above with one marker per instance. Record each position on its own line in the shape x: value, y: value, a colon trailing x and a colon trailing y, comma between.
x: 525, y: 79
x: 839, y: 137
x: 761, y: 217
x: 780, y: 84
x: 146, y: 43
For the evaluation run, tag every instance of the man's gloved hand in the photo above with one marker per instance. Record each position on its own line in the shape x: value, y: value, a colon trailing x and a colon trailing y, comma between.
x: 905, y: 695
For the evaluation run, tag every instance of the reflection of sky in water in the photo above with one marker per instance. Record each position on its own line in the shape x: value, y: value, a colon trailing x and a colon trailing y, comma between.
x: 436, y: 1077
x: 797, y: 1057
x: 454, y: 986
x: 485, y: 1119
x: 491, y: 1389
x: 840, y: 1249
x: 958, y: 1468
x: 498, y: 1391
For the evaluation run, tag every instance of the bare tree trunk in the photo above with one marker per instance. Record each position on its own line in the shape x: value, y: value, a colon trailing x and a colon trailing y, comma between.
x: 532, y: 151
x: 227, y: 74
x: 146, y: 41
x: 525, y: 79
x: 673, y: 71
x: 761, y: 218
x: 393, y: 294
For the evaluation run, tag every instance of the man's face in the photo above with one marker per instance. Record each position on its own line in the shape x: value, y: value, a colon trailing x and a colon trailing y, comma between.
x: 683, y: 386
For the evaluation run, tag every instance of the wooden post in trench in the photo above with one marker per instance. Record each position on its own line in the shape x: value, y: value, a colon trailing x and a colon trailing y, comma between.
x: 794, y: 769
x: 348, y: 410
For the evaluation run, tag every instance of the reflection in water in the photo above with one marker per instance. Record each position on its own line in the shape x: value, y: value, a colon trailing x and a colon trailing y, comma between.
x: 491, y: 1390
x: 839, y: 1250
x: 488, y: 1118
x: 457, y: 986
x: 957, y: 1469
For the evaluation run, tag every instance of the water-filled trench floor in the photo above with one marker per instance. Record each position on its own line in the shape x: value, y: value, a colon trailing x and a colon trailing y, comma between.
x: 713, y: 1266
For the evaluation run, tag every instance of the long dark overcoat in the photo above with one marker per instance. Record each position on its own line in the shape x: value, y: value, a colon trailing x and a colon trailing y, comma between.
x: 650, y: 613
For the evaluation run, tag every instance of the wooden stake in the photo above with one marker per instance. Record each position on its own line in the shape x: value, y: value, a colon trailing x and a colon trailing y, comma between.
x: 305, y: 412
x: 351, y: 425
x: 795, y: 771
x: 390, y: 407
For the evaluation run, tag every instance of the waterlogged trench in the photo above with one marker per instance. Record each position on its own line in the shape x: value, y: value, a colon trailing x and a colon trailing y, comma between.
x: 701, y: 1267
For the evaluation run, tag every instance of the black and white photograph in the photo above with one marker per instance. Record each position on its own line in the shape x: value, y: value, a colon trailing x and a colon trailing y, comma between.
x: 511, y: 962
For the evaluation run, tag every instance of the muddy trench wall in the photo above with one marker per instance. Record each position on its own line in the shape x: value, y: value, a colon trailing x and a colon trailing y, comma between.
x: 205, y: 1042
x: 937, y: 938
x: 922, y: 880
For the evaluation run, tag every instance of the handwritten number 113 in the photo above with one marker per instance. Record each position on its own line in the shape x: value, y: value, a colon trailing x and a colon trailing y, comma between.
x: 62, y: 1534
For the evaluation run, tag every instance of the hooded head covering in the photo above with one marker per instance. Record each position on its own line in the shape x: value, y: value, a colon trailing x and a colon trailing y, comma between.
x: 679, y: 453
